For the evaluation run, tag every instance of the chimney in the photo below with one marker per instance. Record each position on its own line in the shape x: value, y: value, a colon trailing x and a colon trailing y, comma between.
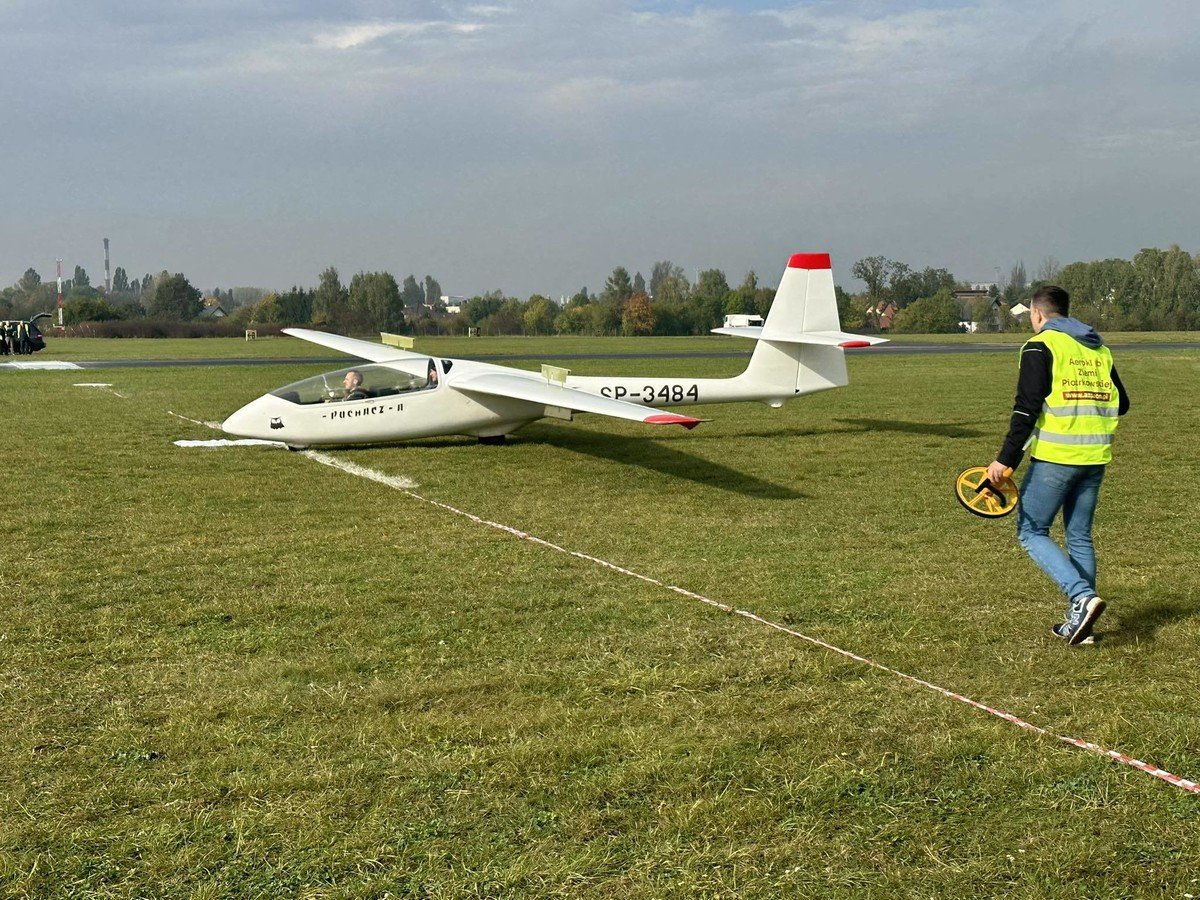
x: 107, y: 276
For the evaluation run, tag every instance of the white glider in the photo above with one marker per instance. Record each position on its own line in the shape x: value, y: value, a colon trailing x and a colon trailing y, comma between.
x: 402, y: 395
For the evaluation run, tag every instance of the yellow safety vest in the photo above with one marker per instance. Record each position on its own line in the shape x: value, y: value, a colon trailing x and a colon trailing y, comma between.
x: 1079, y: 417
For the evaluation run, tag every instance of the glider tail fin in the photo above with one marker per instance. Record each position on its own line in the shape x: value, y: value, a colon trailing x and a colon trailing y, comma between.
x: 801, y: 345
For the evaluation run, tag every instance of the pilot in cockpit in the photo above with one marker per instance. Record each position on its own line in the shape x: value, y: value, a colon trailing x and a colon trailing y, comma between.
x: 432, y: 380
x: 353, y: 385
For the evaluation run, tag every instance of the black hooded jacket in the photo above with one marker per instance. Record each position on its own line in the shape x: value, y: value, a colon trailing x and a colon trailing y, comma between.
x: 1033, y: 386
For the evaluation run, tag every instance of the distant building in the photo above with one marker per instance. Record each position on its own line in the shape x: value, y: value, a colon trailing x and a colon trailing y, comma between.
x: 213, y: 311
x: 743, y: 320
x: 884, y: 313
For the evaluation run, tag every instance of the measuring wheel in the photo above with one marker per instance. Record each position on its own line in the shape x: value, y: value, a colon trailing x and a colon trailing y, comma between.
x: 981, y: 497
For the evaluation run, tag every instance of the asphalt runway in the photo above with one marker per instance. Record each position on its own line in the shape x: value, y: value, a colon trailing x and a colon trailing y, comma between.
x: 338, y: 362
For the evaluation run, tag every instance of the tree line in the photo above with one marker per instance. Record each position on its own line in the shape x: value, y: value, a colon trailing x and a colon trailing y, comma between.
x: 1156, y: 290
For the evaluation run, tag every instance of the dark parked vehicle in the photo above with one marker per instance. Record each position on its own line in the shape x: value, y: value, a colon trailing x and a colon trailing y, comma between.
x: 20, y: 337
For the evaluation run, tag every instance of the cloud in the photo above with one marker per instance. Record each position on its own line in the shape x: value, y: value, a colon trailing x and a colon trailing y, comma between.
x: 873, y: 123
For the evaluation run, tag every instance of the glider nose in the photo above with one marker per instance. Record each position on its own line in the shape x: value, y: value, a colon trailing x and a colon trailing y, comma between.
x: 251, y: 421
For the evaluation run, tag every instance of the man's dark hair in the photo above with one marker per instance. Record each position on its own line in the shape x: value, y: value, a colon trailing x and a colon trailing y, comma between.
x: 1051, y: 300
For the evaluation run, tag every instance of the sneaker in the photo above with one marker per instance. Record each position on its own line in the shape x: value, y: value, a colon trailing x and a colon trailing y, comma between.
x: 1081, y: 616
x: 1063, y: 632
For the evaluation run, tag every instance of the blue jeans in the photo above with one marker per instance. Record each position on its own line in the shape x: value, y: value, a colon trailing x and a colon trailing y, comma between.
x: 1047, y: 488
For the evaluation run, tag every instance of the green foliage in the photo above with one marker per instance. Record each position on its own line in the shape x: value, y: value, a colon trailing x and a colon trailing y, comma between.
x: 120, y: 281
x: 604, y: 317
x: 572, y: 320
x: 637, y: 317
x: 29, y: 281
x: 267, y: 311
x: 80, y: 279
x: 744, y: 300
x: 411, y: 294
x: 507, y: 319
x: 331, y: 301
x: 86, y: 305
x: 433, y: 293
x: 375, y: 302
x: 851, y: 310
x: 618, y: 286
x: 708, y: 300
x: 668, y: 283
x: 873, y: 270
x: 479, y: 308
x: 538, y: 315
x: 1157, y: 290
x: 174, y: 298
x: 938, y: 314
x: 295, y: 306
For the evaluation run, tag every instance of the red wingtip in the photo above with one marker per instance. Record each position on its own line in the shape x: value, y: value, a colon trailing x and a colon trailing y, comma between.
x: 809, y: 261
x: 672, y: 419
x: 855, y: 344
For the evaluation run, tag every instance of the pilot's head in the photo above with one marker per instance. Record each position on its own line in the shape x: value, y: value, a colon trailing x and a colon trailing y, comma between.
x: 352, y: 380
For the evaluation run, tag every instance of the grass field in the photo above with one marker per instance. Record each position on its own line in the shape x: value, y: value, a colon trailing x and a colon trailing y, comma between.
x: 239, y: 673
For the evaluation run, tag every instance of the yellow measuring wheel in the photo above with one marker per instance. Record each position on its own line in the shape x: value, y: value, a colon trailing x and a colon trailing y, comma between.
x: 981, y: 497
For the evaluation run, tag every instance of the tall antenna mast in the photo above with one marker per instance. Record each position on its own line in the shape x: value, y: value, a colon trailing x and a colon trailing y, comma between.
x: 107, y: 277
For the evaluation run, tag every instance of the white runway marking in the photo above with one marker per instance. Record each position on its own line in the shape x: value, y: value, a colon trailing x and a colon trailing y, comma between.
x: 396, y: 483
x: 240, y: 442
x: 40, y: 364
x: 215, y: 426
x: 91, y: 384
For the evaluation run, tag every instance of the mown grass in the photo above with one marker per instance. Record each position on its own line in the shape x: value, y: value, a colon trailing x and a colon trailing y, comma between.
x: 239, y: 673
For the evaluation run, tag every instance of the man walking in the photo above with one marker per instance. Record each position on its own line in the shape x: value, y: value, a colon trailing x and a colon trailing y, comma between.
x: 1068, y: 399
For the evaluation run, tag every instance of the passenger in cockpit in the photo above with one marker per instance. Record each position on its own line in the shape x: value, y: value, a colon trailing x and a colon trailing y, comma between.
x: 432, y: 380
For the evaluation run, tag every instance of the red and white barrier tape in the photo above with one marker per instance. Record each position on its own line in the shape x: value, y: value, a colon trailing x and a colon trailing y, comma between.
x: 1114, y: 755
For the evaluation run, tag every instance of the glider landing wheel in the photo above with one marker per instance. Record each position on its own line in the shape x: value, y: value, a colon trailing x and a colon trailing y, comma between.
x: 981, y: 497
x: 492, y: 440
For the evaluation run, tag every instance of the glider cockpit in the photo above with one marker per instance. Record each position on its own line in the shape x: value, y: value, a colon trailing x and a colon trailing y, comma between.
x: 365, y: 382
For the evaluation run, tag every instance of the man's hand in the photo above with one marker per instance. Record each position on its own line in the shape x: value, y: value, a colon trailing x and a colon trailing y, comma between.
x: 998, y: 471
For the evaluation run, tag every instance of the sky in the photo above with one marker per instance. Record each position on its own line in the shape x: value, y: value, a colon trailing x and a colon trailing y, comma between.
x: 532, y: 147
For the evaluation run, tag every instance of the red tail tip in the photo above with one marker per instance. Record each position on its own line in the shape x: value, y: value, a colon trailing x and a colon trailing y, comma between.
x: 672, y: 419
x: 855, y: 344
x: 809, y: 261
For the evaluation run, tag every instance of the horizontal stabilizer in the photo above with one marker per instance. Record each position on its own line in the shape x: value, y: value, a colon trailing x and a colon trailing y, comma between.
x: 818, y: 338
x: 537, y: 390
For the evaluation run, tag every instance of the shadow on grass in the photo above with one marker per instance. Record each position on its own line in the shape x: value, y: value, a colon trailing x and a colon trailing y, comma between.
x: 936, y: 429
x: 656, y: 455
x: 855, y: 426
x: 1141, y: 623
x: 659, y: 456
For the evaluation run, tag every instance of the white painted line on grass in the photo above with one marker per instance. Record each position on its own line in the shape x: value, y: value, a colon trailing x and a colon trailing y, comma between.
x: 215, y: 426
x: 394, y: 482
x: 100, y: 384
x: 402, y: 485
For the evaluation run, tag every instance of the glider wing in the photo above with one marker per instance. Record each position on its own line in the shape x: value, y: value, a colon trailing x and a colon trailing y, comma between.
x: 533, y: 390
x: 362, y: 349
